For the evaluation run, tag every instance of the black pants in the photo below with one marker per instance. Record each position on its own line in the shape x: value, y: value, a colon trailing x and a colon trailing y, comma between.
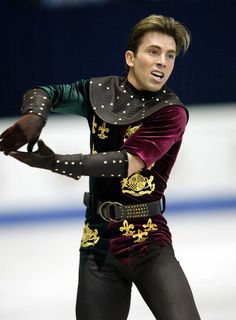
x: 104, y: 291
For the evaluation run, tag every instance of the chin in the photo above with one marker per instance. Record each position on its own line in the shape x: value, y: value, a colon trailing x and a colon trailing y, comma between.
x: 155, y: 88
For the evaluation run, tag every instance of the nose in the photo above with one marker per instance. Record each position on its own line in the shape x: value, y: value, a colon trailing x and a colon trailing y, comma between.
x: 161, y: 60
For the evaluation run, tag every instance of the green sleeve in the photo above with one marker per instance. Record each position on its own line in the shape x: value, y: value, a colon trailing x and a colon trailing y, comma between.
x: 69, y: 98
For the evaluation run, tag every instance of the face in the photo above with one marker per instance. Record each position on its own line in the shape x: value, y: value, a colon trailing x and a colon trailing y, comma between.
x: 153, y: 63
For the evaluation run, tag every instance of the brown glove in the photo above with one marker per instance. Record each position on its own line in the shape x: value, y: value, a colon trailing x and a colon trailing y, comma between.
x: 25, y: 130
x: 43, y: 158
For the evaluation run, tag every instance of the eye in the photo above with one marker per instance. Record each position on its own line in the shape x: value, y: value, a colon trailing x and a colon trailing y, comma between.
x: 171, y: 56
x: 153, y: 51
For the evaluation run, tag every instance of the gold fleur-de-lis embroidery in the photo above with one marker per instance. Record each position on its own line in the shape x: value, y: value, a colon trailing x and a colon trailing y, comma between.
x: 141, y: 236
x: 126, y: 229
x: 90, y: 237
x: 103, y: 130
x: 150, y: 226
x: 94, y: 125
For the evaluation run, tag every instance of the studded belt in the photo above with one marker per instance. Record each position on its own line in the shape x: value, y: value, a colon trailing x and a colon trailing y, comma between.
x: 115, y: 211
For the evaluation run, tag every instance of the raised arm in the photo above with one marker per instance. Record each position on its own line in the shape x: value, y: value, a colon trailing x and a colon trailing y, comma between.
x: 36, y: 106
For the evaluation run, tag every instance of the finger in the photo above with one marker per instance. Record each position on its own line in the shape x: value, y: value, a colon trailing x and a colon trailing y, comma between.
x: 44, y: 149
x: 31, y: 145
x: 5, y: 133
x: 18, y: 145
x: 12, y: 141
x: 24, y: 157
x: 11, y: 145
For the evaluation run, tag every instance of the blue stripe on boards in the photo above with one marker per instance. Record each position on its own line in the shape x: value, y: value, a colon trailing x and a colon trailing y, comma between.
x: 41, y: 216
x: 201, y: 205
x: 54, y: 215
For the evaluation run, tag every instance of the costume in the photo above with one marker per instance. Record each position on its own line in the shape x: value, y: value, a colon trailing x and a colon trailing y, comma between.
x: 117, y: 252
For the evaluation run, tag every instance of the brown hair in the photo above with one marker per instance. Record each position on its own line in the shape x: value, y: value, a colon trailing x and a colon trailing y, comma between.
x: 166, y: 25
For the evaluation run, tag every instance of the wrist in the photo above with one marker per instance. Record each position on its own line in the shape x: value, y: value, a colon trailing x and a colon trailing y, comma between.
x: 37, y: 101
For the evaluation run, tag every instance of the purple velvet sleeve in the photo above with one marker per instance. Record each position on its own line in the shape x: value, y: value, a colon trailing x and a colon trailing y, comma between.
x: 157, y: 134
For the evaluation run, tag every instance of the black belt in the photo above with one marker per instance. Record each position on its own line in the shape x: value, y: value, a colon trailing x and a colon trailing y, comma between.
x: 115, y: 211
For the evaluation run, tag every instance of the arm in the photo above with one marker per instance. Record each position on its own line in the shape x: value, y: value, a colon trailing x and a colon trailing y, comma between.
x: 143, y: 148
x: 117, y: 164
x: 36, y: 106
x: 112, y: 164
x: 155, y: 137
x: 135, y: 164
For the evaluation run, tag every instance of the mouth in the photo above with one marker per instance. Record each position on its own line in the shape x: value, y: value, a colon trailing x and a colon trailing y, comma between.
x: 157, y: 74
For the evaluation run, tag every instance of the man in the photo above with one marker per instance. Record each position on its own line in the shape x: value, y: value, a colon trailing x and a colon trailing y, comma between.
x: 136, y: 128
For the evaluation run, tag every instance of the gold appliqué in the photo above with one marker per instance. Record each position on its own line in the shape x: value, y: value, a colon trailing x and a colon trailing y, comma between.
x: 94, y: 125
x: 127, y: 228
x: 140, y: 235
x: 150, y: 226
x: 138, y: 185
x: 131, y: 130
x: 93, y: 150
x: 103, y: 130
x: 90, y: 237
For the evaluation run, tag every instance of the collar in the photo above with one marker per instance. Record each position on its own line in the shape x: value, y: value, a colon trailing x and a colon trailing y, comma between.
x: 116, y: 101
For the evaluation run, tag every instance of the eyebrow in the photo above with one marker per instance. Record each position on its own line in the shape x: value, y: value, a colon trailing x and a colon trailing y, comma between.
x: 158, y: 47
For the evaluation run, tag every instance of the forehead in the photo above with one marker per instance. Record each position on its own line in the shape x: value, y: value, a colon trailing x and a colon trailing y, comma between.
x: 159, y: 39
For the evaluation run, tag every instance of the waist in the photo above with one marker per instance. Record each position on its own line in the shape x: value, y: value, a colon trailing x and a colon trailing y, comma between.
x: 116, y: 211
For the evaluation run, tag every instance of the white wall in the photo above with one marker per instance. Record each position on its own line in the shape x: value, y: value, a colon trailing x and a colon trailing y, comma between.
x: 39, y: 262
x: 205, y: 167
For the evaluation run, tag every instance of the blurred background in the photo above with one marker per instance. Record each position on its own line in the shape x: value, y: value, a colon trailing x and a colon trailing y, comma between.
x: 41, y: 214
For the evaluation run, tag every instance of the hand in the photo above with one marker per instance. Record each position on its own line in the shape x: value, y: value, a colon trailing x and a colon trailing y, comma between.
x: 25, y: 130
x: 43, y: 158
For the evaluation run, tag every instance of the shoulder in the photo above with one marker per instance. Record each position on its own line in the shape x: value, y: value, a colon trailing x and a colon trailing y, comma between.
x: 176, y: 115
x: 172, y: 111
x: 111, y: 80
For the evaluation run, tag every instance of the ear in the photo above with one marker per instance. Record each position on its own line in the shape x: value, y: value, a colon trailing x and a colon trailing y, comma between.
x: 129, y: 58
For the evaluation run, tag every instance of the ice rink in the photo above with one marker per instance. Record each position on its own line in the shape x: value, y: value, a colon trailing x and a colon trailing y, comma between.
x: 39, y: 262
x: 40, y: 251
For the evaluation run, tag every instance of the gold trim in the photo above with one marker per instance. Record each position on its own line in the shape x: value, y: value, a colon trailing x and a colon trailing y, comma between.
x: 150, y: 226
x: 141, y: 235
x: 103, y: 130
x: 131, y: 130
x: 138, y: 185
x: 127, y: 229
x: 90, y: 237
x: 94, y: 125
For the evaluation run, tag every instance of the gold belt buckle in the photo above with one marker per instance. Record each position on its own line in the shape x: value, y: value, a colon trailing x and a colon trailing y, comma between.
x: 109, y: 204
